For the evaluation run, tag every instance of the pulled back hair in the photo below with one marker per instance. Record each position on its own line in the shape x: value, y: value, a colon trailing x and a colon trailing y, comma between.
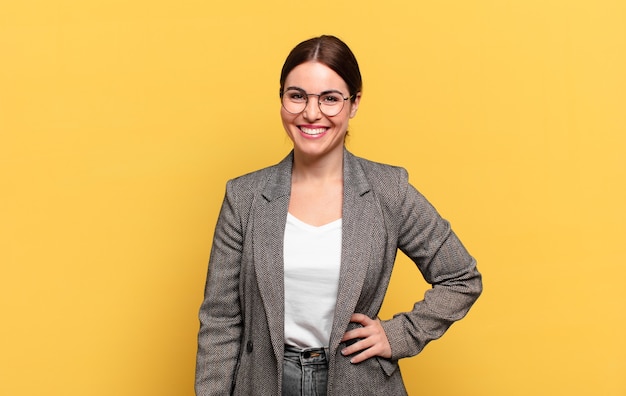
x: 329, y: 51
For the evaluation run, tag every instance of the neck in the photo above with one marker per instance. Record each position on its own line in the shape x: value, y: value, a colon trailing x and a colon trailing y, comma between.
x: 326, y: 168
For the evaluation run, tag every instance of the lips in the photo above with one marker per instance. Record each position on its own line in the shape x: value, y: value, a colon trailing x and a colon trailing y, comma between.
x: 312, y: 130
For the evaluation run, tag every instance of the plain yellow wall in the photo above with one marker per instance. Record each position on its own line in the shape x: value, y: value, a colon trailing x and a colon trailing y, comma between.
x: 120, y: 122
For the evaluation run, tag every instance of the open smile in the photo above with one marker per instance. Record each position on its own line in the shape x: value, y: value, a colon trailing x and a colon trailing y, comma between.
x: 312, y: 131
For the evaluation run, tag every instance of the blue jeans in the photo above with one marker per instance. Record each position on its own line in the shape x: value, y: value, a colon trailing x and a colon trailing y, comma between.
x: 305, y: 372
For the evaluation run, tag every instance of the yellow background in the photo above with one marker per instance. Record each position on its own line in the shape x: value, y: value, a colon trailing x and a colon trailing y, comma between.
x: 120, y: 122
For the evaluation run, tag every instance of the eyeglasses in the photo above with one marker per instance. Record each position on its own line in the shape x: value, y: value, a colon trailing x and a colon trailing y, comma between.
x: 330, y: 103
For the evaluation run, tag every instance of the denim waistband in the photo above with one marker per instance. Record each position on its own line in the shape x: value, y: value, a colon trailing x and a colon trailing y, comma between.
x: 306, y: 353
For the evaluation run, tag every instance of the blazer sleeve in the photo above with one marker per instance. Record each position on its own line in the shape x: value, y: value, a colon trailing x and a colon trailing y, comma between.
x: 220, y: 313
x: 427, y: 239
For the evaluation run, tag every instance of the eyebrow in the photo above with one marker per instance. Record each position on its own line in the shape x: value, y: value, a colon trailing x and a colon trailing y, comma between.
x: 321, y: 93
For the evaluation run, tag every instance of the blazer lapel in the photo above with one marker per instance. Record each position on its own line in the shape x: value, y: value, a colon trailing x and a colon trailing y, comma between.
x: 359, y: 209
x: 270, y: 215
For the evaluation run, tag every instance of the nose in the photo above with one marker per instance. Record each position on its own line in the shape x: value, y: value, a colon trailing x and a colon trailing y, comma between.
x: 312, y: 110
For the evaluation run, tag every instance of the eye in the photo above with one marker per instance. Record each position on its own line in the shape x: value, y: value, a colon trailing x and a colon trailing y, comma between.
x: 295, y: 96
x: 331, y: 98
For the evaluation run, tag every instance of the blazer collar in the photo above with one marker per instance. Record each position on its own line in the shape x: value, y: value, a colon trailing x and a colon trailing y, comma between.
x: 279, y: 182
x: 354, y: 179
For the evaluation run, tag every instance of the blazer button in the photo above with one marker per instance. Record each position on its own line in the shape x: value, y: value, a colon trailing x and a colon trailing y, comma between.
x: 249, y: 346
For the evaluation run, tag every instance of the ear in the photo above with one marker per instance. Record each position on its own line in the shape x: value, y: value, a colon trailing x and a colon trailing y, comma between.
x: 354, y: 106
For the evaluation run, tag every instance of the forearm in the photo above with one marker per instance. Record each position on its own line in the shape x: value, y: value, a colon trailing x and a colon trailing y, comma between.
x: 219, y: 337
x: 218, y: 350
x: 409, y: 332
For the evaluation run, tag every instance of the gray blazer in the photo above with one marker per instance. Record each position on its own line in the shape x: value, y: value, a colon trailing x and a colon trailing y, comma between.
x: 240, y: 342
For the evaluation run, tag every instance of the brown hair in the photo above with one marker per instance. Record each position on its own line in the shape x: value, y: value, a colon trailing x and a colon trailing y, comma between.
x: 330, y: 51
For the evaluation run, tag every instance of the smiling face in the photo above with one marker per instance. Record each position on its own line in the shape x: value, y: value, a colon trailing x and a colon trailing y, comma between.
x: 314, y: 134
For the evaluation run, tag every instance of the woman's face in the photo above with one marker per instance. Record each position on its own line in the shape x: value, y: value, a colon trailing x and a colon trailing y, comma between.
x: 313, y: 133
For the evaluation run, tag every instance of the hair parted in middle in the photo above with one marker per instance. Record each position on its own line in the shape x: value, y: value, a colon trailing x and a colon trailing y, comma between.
x: 330, y: 51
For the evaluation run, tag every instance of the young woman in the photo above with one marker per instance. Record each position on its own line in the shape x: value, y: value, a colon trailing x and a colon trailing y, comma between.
x: 303, y: 252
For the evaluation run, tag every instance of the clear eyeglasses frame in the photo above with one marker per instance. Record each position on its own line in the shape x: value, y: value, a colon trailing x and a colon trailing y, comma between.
x: 295, y: 100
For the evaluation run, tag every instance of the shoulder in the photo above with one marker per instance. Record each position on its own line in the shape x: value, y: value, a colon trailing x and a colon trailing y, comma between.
x: 271, y: 180
x: 242, y: 190
x: 383, y: 178
x: 249, y: 180
x: 376, y: 170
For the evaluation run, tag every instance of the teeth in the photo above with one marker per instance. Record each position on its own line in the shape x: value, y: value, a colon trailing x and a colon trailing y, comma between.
x: 312, y: 131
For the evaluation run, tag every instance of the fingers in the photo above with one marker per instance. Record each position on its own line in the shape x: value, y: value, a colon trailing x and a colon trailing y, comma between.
x: 360, y: 318
x: 364, y: 321
x: 371, y: 339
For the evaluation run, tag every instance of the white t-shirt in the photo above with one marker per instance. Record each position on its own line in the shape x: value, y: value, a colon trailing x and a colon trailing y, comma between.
x: 312, y: 257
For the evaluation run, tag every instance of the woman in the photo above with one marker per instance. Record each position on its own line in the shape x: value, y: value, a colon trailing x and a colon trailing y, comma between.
x: 303, y: 252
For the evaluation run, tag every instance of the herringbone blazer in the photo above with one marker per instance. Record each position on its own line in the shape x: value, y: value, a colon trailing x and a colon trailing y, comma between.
x: 240, y: 342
